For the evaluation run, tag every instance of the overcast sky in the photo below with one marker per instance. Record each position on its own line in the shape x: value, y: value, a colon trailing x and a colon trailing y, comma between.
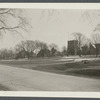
x: 55, y: 26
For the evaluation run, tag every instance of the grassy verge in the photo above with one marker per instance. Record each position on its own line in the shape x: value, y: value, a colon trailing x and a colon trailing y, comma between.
x: 92, y: 69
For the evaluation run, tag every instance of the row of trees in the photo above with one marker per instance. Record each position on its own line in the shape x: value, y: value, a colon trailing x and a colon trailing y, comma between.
x: 14, y: 21
x: 30, y: 49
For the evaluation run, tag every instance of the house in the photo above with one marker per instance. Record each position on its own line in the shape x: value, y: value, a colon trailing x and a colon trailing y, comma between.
x: 92, y: 49
x: 97, y: 48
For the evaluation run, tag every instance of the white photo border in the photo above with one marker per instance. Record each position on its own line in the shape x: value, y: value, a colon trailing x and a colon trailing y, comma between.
x: 57, y: 94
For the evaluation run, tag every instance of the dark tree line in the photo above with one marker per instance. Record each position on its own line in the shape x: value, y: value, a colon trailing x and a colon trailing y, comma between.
x: 30, y: 49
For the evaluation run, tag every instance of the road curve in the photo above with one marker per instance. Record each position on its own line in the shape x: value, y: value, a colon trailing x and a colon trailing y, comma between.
x: 18, y: 79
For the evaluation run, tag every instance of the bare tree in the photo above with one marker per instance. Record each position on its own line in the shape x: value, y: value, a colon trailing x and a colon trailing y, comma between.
x: 96, y: 38
x: 53, y: 45
x: 96, y: 34
x: 12, y: 20
x: 19, y: 47
x: 81, y: 40
x: 64, y: 50
x: 90, y: 16
x: 53, y: 48
x: 96, y: 41
x: 29, y: 47
x: 40, y: 45
x: 6, y: 54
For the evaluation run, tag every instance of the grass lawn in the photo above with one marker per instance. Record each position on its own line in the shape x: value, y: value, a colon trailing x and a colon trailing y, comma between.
x: 92, y: 69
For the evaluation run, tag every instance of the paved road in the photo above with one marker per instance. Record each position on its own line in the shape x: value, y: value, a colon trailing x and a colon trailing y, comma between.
x: 12, y: 78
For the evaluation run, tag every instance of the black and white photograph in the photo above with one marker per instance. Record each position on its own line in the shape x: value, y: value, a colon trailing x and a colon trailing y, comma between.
x: 49, y: 49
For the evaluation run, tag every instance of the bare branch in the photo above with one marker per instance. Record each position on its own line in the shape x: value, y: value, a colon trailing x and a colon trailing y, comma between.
x: 17, y: 17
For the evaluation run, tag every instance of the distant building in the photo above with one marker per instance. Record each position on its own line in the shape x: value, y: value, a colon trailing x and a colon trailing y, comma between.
x: 93, y: 49
x: 85, y: 50
x: 73, y: 47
